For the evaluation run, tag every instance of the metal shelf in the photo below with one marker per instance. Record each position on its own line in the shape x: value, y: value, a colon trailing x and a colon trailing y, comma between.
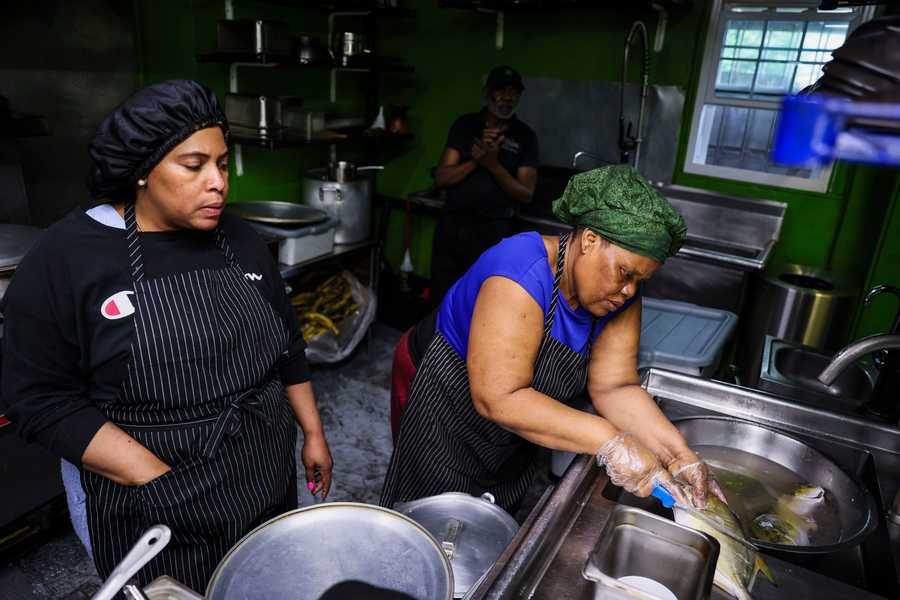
x: 330, y: 7
x: 340, y: 251
x: 291, y: 62
x: 275, y: 143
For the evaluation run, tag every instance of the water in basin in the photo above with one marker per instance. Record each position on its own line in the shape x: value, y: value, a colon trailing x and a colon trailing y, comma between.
x: 753, y: 485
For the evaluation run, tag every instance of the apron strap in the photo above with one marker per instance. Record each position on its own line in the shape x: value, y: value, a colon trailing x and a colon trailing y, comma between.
x: 560, y: 263
x: 135, y: 254
x: 554, y: 298
x: 225, y: 248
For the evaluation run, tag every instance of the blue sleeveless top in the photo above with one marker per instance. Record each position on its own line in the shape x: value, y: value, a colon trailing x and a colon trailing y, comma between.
x: 523, y: 259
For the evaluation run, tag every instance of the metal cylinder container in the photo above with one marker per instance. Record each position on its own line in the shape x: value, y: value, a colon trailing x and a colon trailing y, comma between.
x: 797, y: 304
x: 349, y: 201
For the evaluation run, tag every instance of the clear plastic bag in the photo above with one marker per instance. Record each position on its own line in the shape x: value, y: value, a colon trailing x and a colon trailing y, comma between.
x: 331, y: 348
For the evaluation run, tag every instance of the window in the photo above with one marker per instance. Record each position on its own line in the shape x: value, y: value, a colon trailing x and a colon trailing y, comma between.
x: 756, y: 53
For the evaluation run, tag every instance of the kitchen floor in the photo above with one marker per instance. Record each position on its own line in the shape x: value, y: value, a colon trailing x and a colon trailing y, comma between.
x: 353, y: 399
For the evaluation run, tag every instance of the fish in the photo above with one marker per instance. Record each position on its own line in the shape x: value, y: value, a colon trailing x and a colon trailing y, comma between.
x: 775, y: 529
x: 738, y: 562
x: 803, y: 500
x: 790, y: 523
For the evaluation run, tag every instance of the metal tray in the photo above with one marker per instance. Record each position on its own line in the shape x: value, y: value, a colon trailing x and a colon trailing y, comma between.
x: 635, y: 542
x: 335, y: 550
x: 278, y: 213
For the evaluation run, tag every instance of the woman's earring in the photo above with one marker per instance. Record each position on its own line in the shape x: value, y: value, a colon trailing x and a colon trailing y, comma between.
x: 142, y: 183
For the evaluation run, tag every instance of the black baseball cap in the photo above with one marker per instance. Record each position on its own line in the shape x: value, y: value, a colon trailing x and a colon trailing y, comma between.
x: 503, y: 76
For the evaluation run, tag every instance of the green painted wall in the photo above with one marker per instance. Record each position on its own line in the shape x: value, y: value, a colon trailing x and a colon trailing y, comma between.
x: 844, y: 229
x: 452, y: 50
x: 885, y: 268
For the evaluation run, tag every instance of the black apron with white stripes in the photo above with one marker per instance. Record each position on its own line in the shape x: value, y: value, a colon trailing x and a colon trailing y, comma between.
x: 202, y: 393
x: 446, y: 446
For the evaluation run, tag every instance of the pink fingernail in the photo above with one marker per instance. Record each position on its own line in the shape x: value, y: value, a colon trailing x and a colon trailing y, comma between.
x: 310, y: 485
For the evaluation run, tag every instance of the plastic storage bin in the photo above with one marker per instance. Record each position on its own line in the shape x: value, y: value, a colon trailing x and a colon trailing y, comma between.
x: 683, y: 337
x: 305, y: 243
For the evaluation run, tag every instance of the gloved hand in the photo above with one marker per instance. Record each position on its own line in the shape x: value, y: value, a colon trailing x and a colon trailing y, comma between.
x: 695, y: 474
x: 636, y: 468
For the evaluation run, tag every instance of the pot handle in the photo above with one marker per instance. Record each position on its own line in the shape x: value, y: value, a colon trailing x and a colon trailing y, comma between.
x: 448, y: 543
x: 339, y: 195
x: 370, y: 168
x: 338, y: 198
x: 488, y: 497
x: 150, y: 544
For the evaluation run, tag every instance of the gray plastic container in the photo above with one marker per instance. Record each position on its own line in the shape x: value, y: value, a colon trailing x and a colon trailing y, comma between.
x: 683, y: 337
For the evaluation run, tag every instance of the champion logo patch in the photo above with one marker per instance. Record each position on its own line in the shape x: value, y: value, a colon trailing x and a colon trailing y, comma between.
x: 117, y: 306
x: 253, y: 276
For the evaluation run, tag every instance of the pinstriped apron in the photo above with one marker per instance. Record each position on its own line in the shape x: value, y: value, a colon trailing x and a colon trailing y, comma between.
x: 202, y: 393
x: 446, y: 446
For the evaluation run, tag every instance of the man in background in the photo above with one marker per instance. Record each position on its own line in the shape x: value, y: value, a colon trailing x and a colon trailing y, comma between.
x: 488, y: 166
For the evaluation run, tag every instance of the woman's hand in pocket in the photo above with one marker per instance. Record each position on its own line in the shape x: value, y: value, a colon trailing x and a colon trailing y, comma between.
x: 150, y: 472
x: 116, y: 455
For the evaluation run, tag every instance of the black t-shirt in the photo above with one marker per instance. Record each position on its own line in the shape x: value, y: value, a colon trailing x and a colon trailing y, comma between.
x: 479, y: 194
x: 62, y: 352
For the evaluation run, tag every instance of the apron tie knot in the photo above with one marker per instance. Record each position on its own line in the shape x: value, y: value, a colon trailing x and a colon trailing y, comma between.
x: 230, y: 421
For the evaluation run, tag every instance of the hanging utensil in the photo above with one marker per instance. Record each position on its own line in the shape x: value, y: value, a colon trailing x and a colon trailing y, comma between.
x: 146, y: 548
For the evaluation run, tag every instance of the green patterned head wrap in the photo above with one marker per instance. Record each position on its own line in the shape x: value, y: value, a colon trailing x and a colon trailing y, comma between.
x: 617, y: 203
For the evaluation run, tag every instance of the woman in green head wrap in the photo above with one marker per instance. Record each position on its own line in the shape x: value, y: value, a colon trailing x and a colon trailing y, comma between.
x: 534, y: 323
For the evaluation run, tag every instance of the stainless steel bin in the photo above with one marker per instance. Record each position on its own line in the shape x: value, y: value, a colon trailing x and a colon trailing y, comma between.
x: 798, y: 304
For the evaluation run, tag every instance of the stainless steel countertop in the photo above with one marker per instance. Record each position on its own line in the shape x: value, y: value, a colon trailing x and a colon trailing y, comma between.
x: 563, y: 580
x: 546, y: 558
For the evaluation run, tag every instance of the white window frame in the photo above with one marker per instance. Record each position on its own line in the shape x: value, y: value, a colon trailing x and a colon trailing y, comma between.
x: 706, y: 96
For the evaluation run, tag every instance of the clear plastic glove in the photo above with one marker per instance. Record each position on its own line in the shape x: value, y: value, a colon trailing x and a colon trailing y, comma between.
x: 695, y: 474
x: 634, y: 467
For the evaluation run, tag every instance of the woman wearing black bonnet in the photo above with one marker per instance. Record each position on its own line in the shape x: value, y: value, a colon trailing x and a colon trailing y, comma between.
x: 149, y: 343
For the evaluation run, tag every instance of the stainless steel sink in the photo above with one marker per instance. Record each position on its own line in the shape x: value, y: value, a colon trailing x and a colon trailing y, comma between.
x: 792, y: 371
x: 546, y: 558
x: 867, y: 450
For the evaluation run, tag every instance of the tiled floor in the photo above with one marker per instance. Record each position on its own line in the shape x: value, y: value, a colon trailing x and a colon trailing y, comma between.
x: 353, y: 400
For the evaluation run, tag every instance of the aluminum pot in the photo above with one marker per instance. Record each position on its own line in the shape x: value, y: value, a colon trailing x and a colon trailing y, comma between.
x: 311, y: 50
x: 347, y: 196
x: 327, y: 551
x: 472, y: 531
x: 348, y: 45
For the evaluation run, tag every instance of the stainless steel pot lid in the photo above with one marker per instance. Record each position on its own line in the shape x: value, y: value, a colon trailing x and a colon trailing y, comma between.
x: 278, y: 213
x: 331, y: 551
x: 473, y: 532
x: 758, y: 467
x: 15, y: 242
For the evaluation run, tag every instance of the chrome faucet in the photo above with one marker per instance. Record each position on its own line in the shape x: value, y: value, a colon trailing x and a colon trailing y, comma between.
x: 885, y: 399
x: 882, y: 289
x: 629, y: 139
x: 853, y: 352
